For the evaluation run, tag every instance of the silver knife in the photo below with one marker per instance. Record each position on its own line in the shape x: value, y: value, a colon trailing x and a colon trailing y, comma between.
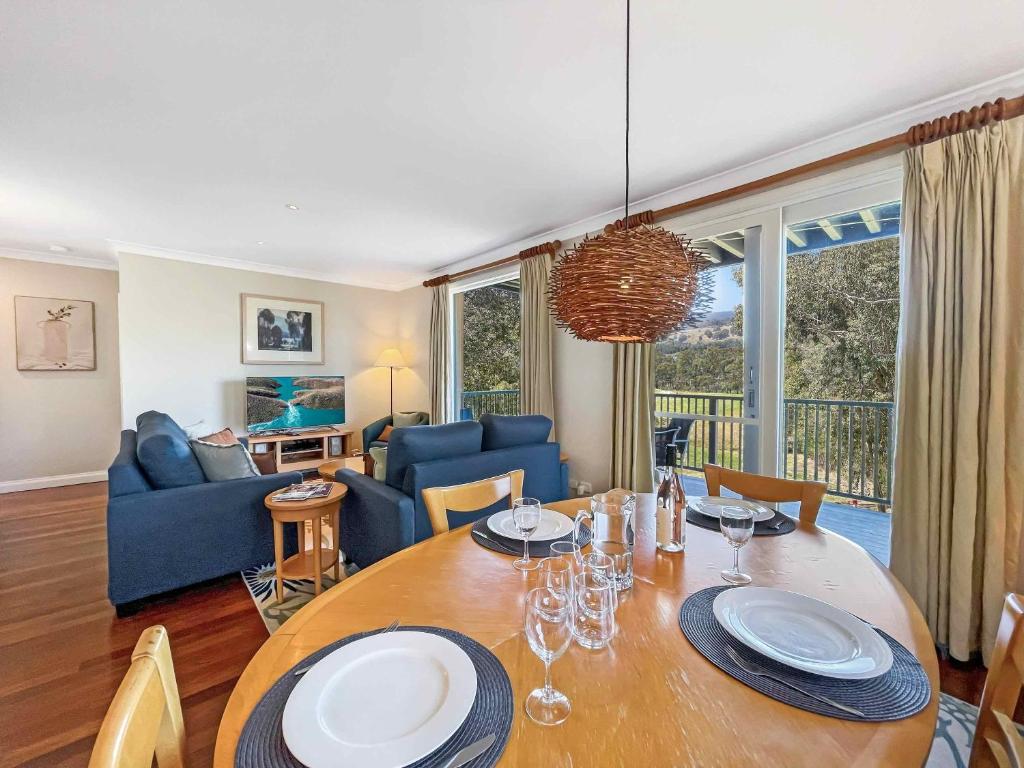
x: 500, y: 544
x: 466, y: 754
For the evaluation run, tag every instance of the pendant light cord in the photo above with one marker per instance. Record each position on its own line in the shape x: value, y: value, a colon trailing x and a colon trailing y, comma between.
x: 625, y: 220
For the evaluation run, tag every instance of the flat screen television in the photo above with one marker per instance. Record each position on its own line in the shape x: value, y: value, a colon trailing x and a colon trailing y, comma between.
x: 293, y: 402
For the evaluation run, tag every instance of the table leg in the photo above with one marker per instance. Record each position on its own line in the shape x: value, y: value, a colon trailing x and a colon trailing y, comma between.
x: 278, y: 560
x: 317, y: 550
x: 337, y: 547
x: 301, y: 528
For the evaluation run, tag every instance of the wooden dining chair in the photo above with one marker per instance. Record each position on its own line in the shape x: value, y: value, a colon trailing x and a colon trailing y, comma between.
x: 144, y: 719
x: 997, y: 740
x: 763, y: 488
x: 470, y: 497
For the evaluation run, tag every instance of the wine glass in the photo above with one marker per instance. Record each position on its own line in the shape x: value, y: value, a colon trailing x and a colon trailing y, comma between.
x: 549, y: 632
x: 526, y: 517
x: 737, y: 526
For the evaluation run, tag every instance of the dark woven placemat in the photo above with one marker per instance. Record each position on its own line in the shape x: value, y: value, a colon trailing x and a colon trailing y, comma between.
x: 777, y: 526
x: 261, y: 743
x: 504, y: 543
x: 901, y: 692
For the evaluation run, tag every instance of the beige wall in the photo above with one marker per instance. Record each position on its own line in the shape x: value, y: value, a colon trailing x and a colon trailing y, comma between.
x: 58, y: 422
x: 180, y: 341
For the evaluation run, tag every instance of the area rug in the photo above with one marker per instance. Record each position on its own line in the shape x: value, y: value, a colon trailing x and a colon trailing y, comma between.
x: 297, y: 592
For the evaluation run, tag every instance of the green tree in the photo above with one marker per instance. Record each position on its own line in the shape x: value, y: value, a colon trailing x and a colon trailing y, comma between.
x: 490, y: 338
x: 842, y: 315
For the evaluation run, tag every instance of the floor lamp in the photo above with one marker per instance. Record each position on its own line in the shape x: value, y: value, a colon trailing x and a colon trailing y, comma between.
x: 391, y: 358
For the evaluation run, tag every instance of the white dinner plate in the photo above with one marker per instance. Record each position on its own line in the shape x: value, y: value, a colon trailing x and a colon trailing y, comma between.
x: 711, y: 506
x: 553, y: 525
x: 802, y: 632
x: 380, y: 702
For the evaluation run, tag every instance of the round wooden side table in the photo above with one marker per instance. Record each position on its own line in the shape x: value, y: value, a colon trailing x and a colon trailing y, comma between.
x: 311, y: 564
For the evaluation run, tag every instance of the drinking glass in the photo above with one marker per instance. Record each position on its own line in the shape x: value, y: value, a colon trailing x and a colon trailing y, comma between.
x: 570, y: 552
x: 593, y: 614
x: 737, y: 526
x: 604, y: 566
x: 549, y: 632
x: 556, y: 574
x: 526, y: 517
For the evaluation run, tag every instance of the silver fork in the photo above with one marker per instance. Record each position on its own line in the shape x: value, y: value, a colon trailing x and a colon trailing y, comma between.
x: 389, y: 628
x: 756, y: 669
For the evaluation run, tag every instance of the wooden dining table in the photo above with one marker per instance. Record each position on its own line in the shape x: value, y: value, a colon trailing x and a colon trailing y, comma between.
x: 650, y: 699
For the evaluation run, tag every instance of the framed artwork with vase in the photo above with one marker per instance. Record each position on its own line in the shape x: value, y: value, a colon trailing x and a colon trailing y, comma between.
x: 54, y: 334
x: 278, y: 330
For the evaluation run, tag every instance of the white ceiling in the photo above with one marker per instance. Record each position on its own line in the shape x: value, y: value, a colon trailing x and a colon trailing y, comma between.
x: 415, y: 134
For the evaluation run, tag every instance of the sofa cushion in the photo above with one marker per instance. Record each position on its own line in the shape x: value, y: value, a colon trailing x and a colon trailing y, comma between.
x: 410, y: 419
x: 224, y: 461
x: 224, y: 437
x: 164, y: 453
x: 511, y: 431
x: 385, y: 435
x: 125, y: 476
x: 409, y: 445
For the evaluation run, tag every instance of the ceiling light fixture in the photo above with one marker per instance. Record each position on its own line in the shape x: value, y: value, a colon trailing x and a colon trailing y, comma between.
x: 291, y: 206
x: 260, y: 242
x: 59, y: 248
x: 633, y: 283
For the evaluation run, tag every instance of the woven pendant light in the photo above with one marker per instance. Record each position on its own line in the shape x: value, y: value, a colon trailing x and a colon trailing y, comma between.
x: 634, y: 283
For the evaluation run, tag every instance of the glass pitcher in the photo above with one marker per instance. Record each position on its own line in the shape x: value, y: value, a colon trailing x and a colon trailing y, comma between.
x: 611, y: 523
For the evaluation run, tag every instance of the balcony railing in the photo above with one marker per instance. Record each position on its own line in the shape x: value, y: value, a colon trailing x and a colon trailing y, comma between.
x: 847, y: 444
x: 501, y: 402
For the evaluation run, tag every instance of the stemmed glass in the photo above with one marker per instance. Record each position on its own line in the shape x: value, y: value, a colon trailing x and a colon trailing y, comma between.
x: 526, y: 517
x: 549, y: 632
x: 737, y: 526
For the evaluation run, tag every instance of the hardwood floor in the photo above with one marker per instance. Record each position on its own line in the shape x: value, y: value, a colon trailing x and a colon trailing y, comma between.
x: 63, y: 652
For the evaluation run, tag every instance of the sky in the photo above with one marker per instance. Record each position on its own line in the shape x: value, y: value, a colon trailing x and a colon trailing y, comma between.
x: 726, y: 293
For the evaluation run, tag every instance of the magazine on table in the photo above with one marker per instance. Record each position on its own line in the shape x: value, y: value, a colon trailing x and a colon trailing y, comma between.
x: 304, y: 492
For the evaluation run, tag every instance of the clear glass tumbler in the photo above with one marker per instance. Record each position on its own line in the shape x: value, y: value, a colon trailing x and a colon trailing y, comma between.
x: 593, y: 614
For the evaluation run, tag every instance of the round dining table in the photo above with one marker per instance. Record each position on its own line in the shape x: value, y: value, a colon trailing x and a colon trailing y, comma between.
x: 650, y: 698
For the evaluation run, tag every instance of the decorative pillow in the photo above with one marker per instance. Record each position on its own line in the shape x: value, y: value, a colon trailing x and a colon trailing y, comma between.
x: 386, y: 433
x: 224, y: 462
x: 266, y: 463
x: 410, y: 419
x: 224, y: 437
x: 380, y: 462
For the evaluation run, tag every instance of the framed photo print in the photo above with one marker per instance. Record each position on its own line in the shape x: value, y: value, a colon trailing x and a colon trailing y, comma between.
x: 54, y: 334
x: 278, y: 330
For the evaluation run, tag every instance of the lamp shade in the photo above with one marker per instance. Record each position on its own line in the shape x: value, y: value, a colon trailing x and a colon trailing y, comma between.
x: 390, y: 358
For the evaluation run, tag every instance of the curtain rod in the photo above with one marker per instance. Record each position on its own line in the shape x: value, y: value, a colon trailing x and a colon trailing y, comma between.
x: 922, y: 133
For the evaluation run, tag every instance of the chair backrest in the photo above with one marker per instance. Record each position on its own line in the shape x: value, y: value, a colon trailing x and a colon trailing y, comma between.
x: 763, y: 488
x: 470, y: 497
x: 997, y: 742
x: 144, y: 719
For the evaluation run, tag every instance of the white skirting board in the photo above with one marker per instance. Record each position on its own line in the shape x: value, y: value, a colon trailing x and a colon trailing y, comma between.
x: 33, y: 483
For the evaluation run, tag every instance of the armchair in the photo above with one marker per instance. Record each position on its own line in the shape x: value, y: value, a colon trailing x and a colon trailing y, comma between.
x: 371, y: 432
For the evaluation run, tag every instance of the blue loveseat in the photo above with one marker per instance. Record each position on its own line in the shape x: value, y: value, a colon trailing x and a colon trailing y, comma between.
x: 381, y: 518
x: 167, y: 527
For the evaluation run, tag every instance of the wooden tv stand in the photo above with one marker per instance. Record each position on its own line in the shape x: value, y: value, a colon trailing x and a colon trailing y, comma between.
x: 305, y: 449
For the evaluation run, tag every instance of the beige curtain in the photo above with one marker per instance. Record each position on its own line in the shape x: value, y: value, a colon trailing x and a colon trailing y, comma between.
x: 536, y: 380
x: 632, y: 418
x: 959, y: 476
x: 440, y: 356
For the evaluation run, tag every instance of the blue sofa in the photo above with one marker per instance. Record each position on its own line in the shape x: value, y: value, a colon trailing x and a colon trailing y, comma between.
x: 381, y: 518
x: 167, y: 527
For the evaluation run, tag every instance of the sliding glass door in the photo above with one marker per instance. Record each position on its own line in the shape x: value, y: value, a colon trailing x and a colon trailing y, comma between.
x: 707, y: 375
